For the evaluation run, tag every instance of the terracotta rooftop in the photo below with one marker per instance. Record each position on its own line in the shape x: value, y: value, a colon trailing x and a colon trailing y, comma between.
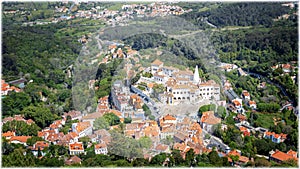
x: 76, y: 146
x: 161, y: 147
x: 100, y: 145
x: 283, y: 156
x: 236, y: 103
x: 283, y: 136
x: 292, y: 153
x: 180, y: 146
x: 242, y: 159
x: 196, y: 126
x: 8, y: 134
x: 116, y: 112
x: 81, y: 126
x: 41, y: 145
x: 286, y: 66
x: 168, y: 117
x: 242, y: 129
x: 209, y: 118
x: 151, y: 131
x: 209, y: 83
x: 93, y: 115
x: 252, y: 102
x: 241, y: 117
x: 21, y: 139
x: 157, y: 62
x: 246, y: 93
x: 150, y: 85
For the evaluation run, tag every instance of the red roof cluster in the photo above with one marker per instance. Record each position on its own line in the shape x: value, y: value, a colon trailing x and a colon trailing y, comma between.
x: 17, y: 118
x: 209, y: 118
x: 281, y: 156
x: 242, y: 159
x: 281, y: 135
x: 6, y: 88
x: 40, y: 145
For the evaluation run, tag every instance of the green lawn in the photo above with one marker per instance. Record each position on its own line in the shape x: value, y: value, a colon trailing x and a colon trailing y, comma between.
x: 266, y: 119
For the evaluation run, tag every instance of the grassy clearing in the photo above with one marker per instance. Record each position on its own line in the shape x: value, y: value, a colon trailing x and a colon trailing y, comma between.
x: 266, y: 119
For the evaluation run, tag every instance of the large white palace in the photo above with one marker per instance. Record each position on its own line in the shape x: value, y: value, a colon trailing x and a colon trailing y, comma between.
x: 182, y: 85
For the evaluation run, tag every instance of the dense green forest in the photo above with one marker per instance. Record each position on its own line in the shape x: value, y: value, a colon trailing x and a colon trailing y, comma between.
x: 176, y: 47
x: 237, y: 14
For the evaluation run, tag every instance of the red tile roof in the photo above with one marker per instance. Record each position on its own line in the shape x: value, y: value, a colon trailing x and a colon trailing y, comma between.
x: 41, y: 145
x: 8, y: 134
x: 100, y: 145
x: 161, y: 147
x: 292, y: 153
x: 81, y: 126
x: 242, y: 159
x: 169, y: 117
x: 236, y: 103
x: 180, y: 146
x: 283, y: 136
x: 246, y: 93
x: 252, y: 102
x: 279, y: 155
x: 151, y: 131
x: 209, y: 118
x: 21, y: 139
x: 76, y: 146
x: 286, y: 66
x: 243, y: 129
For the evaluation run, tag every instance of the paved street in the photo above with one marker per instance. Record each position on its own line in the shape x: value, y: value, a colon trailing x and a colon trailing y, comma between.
x: 181, y: 109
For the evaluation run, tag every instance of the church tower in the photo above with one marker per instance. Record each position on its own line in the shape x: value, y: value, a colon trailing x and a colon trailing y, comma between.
x: 196, y: 79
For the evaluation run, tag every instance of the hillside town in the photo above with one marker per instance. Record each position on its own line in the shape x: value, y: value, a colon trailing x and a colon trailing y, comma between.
x: 129, y: 101
x: 145, y: 108
x: 111, y: 17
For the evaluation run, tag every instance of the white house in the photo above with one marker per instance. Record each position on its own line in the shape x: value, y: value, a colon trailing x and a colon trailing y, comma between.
x: 246, y: 95
x: 76, y: 148
x: 209, y: 89
x: 156, y: 65
x: 101, y: 149
x: 252, y: 104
